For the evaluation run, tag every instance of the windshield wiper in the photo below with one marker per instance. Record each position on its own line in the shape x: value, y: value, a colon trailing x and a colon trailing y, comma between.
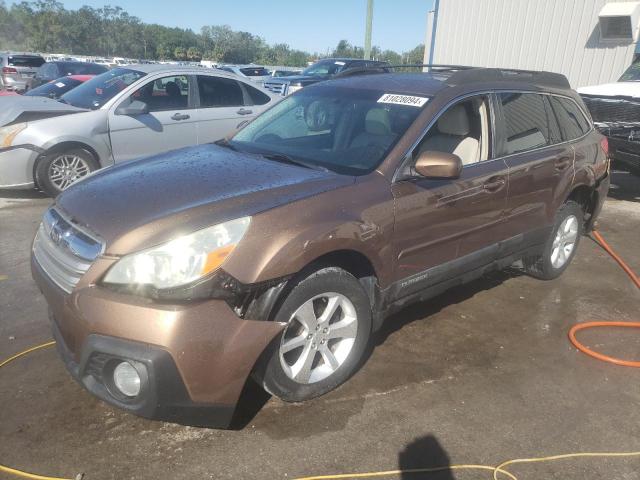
x: 223, y: 142
x: 281, y: 157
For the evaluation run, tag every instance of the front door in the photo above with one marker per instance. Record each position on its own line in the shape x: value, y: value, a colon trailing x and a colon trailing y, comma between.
x: 170, y: 123
x: 444, y: 227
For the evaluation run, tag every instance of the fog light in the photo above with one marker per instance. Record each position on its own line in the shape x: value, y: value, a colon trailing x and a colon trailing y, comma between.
x: 126, y: 379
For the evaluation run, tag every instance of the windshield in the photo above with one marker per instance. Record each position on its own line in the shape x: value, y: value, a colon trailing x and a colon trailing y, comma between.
x: 345, y: 130
x: 99, y: 90
x: 54, y: 89
x: 632, y: 74
x: 325, y: 67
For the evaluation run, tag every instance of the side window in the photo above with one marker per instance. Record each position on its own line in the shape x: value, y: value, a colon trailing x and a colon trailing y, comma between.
x: 219, y: 92
x: 462, y: 130
x: 167, y: 93
x: 526, y: 126
x: 572, y: 121
x: 554, y: 127
x: 257, y: 97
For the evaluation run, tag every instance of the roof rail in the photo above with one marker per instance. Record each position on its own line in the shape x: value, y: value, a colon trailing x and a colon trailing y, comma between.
x: 547, y: 79
x: 464, y: 74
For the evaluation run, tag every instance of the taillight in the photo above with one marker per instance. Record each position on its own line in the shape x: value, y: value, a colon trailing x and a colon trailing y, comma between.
x: 9, y: 70
x: 604, y: 145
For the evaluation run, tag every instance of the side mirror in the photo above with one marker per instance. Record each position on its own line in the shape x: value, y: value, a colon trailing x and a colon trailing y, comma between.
x: 136, y: 107
x: 438, y: 165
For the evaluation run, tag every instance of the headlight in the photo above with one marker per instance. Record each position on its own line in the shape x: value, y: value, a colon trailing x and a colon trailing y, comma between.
x: 7, y: 134
x: 293, y: 88
x: 180, y: 261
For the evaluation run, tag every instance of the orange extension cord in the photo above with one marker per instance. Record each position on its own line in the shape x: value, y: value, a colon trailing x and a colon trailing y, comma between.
x: 583, y: 326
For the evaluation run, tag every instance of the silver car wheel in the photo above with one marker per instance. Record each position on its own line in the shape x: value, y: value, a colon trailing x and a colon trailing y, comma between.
x: 66, y: 170
x: 320, y: 335
x: 564, y: 242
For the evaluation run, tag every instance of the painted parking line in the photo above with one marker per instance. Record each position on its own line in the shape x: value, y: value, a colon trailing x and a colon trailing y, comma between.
x: 4, y: 277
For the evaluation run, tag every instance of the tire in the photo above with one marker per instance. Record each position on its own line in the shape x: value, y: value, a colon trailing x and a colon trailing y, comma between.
x: 329, y: 361
x: 50, y: 172
x: 560, y: 247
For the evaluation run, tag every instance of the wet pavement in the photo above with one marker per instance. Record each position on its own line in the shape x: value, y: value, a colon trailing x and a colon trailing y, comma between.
x: 481, y: 374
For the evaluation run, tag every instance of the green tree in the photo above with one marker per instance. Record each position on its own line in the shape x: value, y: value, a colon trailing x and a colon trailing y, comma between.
x: 180, y: 53
x: 193, y: 54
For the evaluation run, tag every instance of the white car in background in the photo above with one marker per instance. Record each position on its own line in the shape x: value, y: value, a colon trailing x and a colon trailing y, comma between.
x: 255, y: 73
x: 123, y: 114
x: 615, y: 108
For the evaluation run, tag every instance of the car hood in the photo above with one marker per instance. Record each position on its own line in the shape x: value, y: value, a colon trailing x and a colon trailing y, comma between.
x: 14, y: 109
x: 618, y: 89
x: 301, y: 79
x: 146, y: 202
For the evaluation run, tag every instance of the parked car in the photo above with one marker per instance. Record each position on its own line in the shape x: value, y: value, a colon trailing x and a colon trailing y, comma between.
x: 319, y: 71
x: 285, y: 73
x: 120, y: 115
x: 615, y: 108
x: 17, y: 70
x: 54, y: 70
x: 254, y: 73
x: 279, y: 251
x: 58, y: 87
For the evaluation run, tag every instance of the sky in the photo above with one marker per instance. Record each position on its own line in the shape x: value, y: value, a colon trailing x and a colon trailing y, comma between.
x: 311, y: 25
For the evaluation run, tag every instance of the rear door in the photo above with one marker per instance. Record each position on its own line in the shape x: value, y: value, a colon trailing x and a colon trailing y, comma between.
x: 541, y: 165
x: 224, y: 104
x: 170, y: 123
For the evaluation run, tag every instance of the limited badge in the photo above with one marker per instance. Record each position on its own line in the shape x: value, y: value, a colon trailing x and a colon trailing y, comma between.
x: 403, y: 100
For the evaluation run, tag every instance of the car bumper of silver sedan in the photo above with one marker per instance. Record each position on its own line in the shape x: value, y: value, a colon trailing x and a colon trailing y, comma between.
x: 16, y: 166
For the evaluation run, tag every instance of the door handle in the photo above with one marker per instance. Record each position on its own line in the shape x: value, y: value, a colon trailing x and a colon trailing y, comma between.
x: 494, y: 184
x: 180, y: 116
x: 563, y: 163
x: 244, y: 111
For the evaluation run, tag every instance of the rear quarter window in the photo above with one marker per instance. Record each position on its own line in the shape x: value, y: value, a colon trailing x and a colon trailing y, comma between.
x: 572, y: 120
x: 257, y: 97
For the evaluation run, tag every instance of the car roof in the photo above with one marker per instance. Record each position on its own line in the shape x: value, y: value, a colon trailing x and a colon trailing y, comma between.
x: 429, y: 83
x: 409, y: 83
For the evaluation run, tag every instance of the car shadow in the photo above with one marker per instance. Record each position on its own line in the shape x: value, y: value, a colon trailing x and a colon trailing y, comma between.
x: 30, y: 194
x: 425, y: 453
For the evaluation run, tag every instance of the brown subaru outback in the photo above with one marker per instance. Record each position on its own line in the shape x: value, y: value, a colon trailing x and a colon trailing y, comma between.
x: 278, y: 252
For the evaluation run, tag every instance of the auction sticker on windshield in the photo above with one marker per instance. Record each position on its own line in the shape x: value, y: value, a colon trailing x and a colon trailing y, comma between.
x: 403, y: 99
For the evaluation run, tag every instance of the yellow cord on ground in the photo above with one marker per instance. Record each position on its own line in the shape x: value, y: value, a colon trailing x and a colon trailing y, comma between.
x: 13, y: 471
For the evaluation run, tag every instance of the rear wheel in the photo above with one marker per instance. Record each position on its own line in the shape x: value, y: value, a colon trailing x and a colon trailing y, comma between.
x: 59, y: 170
x: 561, y: 246
x: 328, y: 318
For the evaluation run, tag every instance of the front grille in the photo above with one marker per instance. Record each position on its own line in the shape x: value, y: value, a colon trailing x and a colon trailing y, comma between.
x: 63, y: 250
x: 278, y: 88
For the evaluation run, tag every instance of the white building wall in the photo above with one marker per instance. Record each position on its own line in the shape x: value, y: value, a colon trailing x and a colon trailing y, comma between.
x: 554, y: 35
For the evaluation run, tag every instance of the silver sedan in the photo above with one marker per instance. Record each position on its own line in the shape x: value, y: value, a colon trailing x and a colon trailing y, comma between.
x: 123, y: 114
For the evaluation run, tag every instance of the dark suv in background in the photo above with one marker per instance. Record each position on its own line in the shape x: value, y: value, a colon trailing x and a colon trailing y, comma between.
x: 279, y: 252
x: 319, y: 71
x: 53, y: 70
x: 17, y: 70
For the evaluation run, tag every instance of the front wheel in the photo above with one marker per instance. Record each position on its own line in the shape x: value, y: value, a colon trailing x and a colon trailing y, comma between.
x: 561, y: 246
x: 328, y: 318
x: 59, y: 170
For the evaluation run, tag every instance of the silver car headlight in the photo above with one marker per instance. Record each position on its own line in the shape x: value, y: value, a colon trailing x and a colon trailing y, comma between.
x: 182, y: 260
x: 7, y: 134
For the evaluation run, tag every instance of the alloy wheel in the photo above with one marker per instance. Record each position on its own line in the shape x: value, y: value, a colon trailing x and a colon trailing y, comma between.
x: 564, y: 242
x: 66, y: 170
x: 320, y: 335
